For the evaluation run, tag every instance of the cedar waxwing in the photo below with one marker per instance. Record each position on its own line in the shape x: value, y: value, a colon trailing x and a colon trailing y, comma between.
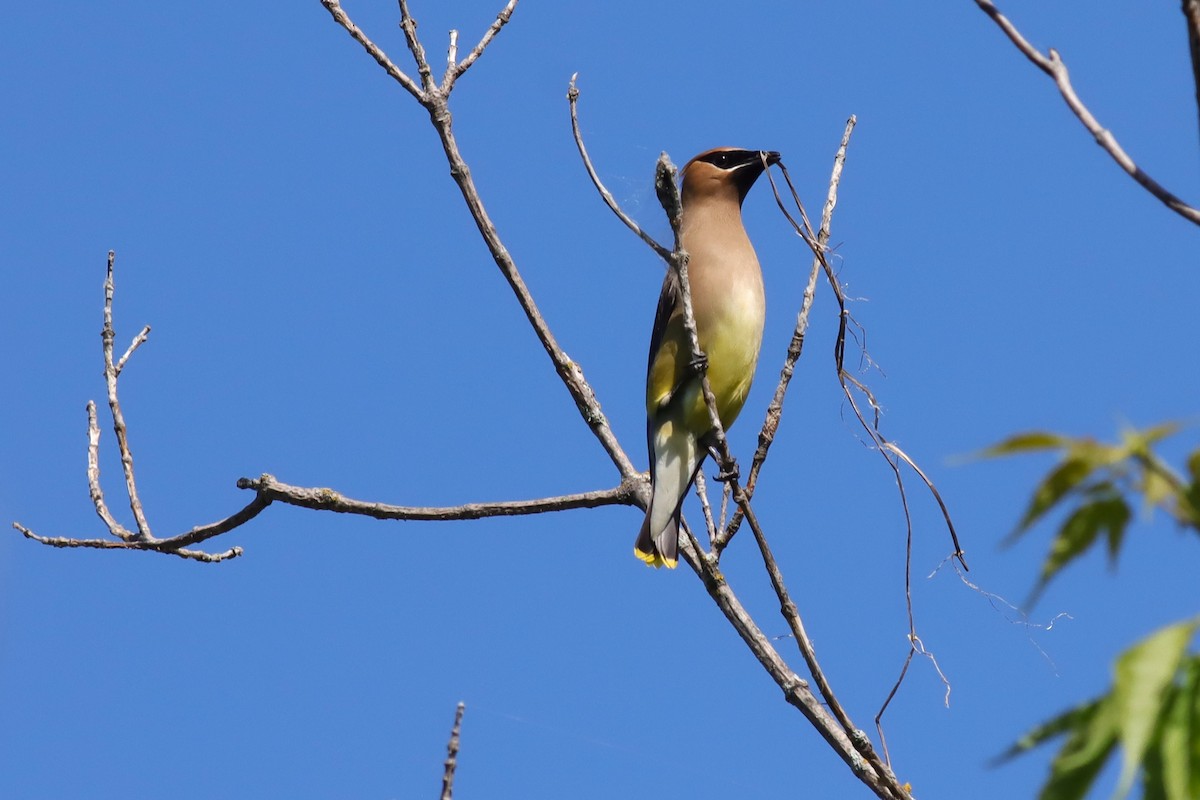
x: 729, y: 308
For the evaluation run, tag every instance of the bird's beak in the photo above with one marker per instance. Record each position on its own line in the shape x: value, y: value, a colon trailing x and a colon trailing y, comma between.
x: 771, y: 156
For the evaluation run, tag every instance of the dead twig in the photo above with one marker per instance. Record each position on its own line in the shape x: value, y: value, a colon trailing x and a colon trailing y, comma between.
x: 111, y: 372
x: 605, y: 194
x: 1053, y: 65
x: 796, y: 346
x: 141, y: 539
x: 455, y: 71
x: 1191, y: 13
x: 452, y: 754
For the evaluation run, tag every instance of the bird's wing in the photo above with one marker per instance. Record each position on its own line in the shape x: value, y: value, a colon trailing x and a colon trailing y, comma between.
x: 663, y: 372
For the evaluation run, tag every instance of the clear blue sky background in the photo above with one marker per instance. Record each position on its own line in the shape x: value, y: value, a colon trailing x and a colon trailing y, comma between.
x: 323, y: 310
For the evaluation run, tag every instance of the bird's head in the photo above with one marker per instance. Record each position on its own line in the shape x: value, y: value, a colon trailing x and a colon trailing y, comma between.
x: 724, y: 172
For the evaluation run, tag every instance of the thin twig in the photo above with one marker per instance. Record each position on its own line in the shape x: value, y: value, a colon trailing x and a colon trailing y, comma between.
x: 725, y: 496
x: 455, y: 72
x: 1053, y: 66
x: 142, y: 539
x: 452, y: 754
x: 937, y: 496
x: 134, y: 544
x: 845, y: 379
x: 174, y: 545
x: 775, y: 410
x: 137, y: 342
x: 890, y: 452
x: 408, y: 24
x: 340, y: 16
x: 435, y: 99
x: 452, y: 51
x: 93, y: 475
x: 705, y: 508
x: 796, y: 690
x: 107, y: 335
x: 791, y: 615
x: 568, y: 370
x: 1191, y: 13
x: 609, y: 200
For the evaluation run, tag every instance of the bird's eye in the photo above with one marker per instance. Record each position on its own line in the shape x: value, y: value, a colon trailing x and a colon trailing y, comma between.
x: 723, y: 160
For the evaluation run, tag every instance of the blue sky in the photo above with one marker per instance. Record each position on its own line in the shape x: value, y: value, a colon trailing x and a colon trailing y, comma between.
x: 323, y: 310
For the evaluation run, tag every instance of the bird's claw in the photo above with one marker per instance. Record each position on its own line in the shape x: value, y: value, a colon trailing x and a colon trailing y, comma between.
x: 728, y: 472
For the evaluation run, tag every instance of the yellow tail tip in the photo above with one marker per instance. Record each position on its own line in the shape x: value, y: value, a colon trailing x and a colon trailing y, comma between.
x: 655, y: 559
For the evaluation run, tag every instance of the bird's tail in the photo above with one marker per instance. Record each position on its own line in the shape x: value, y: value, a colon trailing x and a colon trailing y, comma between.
x: 676, y: 461
x: 661, y: 550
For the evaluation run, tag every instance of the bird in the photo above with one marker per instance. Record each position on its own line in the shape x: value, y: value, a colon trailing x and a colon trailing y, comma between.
x: 729, y: 307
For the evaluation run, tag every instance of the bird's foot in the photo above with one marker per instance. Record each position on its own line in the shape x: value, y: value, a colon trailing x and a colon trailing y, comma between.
x: 729, y: 472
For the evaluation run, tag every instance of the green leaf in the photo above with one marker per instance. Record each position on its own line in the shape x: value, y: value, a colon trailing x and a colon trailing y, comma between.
x: 1157, y: 490
x: 1193, y: 463
x: 1068, y: 475
x: 1065, y: 722
x: 1193, y: 491
x: 1144, y: 674
x: 1079, y: 532
x: 1116, y: 530
x: 1136, y: 440
x: 1076, y: 766
x: 1091, y: 731
x: 1027, y: 442
x: 1174, y: 773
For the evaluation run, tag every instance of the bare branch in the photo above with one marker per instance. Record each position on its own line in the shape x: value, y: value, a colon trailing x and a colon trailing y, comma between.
x: 435, y: 101
x: 792, y: 615
x: 609, y: 200
x: 796, y: 690
x: 453, y: 73
x: 114, y: 405
x: 937, y: 496
x: 93, y: 475
x: 702, y: 493
x: 322, y: 499
x: 134, y: 544
x: 1053, y: 66
x: 775, y: 410
x: 142, y: 539
x: 137, y: 342
x: 408, y: 24
x: 341, y: 18
x: 569, y: 371
x: 1191, y: 12
x: 452, y: 51
x: 452, y: 754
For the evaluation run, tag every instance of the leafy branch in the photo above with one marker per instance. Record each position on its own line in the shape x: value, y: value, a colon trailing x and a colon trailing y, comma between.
x: 1095, y: 482
x: 1150, y: 712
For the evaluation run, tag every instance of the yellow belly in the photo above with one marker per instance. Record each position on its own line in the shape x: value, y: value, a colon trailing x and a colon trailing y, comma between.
x: 732, y: 348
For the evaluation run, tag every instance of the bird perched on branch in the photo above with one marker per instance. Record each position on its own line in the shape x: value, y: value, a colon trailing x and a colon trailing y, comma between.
x: 729, y: 308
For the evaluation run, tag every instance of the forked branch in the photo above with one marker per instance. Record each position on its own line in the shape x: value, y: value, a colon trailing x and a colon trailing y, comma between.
x: 266, y: 488
x: 141, y: 539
